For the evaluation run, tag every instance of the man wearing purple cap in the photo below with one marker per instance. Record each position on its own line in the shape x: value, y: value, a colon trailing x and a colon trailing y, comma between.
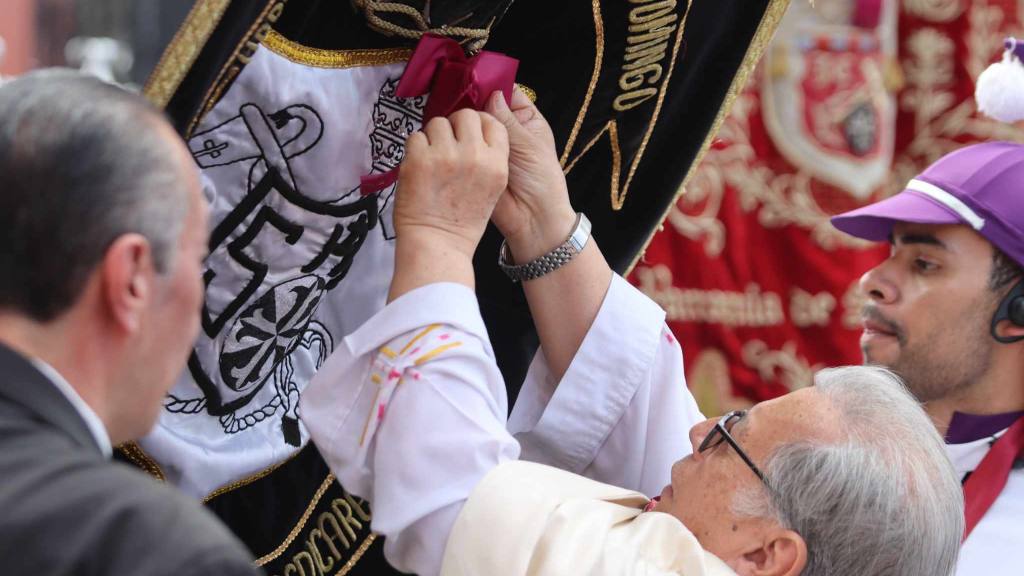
x: 946, y: 312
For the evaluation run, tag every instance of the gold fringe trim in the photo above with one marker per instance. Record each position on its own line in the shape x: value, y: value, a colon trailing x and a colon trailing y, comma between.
x: 319, y: 58
x: 762, y: 37
x: 181, y: 53
x: 138, y: 456
x: 300, y: 525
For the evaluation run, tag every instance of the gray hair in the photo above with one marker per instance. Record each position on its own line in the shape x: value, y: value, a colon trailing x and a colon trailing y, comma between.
x: 82, y: 163
x: 885, y: 500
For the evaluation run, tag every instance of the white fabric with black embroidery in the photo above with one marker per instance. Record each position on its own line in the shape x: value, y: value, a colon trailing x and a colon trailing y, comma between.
x: 298, y: 257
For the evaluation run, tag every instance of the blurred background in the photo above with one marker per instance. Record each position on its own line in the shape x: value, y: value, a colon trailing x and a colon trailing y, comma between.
x: 851, y: 100
x: 116, y: 39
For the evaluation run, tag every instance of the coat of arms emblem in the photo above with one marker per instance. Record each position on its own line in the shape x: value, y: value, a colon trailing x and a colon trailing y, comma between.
x: 826, y: 98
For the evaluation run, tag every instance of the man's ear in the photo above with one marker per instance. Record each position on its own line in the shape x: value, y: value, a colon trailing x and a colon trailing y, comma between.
x: 127, y: 275
x: 782, y: 553
x: 1007, y: 329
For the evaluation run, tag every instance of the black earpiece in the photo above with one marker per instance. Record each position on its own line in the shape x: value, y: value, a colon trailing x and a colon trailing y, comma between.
x: 1012, y: 309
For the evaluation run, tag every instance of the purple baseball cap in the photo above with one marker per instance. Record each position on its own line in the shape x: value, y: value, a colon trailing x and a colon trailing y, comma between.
x: 981, y: 186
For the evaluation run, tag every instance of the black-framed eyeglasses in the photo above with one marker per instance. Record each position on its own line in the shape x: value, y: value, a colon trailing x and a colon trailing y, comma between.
x: 720, y: 433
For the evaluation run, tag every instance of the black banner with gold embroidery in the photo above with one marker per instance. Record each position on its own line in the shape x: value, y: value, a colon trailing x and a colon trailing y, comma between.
x: 286, y: 103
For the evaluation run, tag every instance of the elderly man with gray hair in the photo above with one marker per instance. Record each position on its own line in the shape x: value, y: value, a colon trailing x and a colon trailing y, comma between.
x: 847, y: 477
x: 104, y: 233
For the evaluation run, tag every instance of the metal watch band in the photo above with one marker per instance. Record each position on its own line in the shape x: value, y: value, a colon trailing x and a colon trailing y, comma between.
x: 551, y: 261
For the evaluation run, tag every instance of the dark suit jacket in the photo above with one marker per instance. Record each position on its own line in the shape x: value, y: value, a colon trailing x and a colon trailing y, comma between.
x: 66, y: 510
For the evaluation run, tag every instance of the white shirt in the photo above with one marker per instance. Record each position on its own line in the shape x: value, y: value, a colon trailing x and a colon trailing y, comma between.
x: 92, y: 421
x: 410, y: 411
x: 995, y: 543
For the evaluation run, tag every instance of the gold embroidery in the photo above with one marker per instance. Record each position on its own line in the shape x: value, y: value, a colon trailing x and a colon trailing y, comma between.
x: 138, y: 456
x: 333, y: 526
x: 252, y: 44
x: 529, y: 92
x: 183, y: 50
x: 302, y: 522
x: 808, y: 309
x: 594, y: 77
x: 935, y: 10
x: 785, y: 365
x: 931, y: 69
x: 358, y: 554
x: 750, y: 308
x: 319, y: 58
x: 646, y: 22
x: 707, y: 188
x: 248, y: 479
x: 231, y: 68
x: 591, y: 144
x: 769, y: 22
x: 388, y: 352
x: 983, y: 37
x: 781, y: 199
x: 473, y: 38
x: 618, y: 202
x: 939, y: 125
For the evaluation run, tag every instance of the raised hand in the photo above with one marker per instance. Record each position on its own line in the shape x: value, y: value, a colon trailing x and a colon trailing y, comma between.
x: 535, y: 215
x: 453, y: 173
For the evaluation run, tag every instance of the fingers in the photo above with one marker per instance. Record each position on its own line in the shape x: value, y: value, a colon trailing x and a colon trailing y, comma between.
x: 494, y: 132
x: 520, y: 100
x: 467, y: 126
x: 497, y: 107
x: 416, y: 146
x: 439, y: 132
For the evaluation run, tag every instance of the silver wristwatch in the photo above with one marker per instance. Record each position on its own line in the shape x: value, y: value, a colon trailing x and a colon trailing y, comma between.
x: 551, y: 261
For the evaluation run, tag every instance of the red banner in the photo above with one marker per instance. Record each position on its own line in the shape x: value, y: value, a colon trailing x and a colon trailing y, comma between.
x: 853, y: 99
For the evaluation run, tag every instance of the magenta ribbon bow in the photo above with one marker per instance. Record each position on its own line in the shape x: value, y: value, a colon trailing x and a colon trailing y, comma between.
x: 439, y: 66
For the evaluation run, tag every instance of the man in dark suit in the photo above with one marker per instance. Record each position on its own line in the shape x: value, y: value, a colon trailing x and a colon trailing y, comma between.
x: 104, y: 229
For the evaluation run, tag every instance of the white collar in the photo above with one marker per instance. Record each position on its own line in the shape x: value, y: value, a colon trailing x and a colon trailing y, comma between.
x: 92, y: 421
x: 966, y: 457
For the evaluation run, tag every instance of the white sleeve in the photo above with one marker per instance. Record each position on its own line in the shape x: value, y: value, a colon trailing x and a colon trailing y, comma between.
x: 622, y: 412
x: 409, y: 412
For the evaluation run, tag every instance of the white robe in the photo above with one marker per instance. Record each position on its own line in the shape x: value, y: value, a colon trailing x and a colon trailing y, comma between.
x: 620, y: 414
x: 996, y: 542
x: 530, y: 519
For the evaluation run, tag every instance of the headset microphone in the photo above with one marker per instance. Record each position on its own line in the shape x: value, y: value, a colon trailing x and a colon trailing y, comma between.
x: 1012, y: 309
